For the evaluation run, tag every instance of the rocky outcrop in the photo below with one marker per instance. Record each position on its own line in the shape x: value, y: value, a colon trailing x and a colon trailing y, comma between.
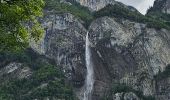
x: 125, y: 96
x: 130, y: 96
x: 131, y: 52
x: 95, y: 5
x: 14, y: 71
x: 166, y: 8
x: 64, y: 42
x: 162, y: 5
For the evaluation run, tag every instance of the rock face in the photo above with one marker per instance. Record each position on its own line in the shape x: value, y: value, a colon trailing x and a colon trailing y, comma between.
x: 130, y: 96
x: 125, y: 96
x: 95, y: 5
x: 131, y: 52
x: 132, y: 40
x: 64, y: 42
x: 162, y: 5
x: 123, y: 51
x: 14, y: 70
x: 166, y: 8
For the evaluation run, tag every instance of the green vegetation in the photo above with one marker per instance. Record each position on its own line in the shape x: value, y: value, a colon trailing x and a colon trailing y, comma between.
x: 119, y: 88
x: 47, y: 79
x: 156, y: 12
x: 119, y: 12
x: 18, y: 23
x: 75, y: 8
x: 164, y: 74
x: 15, y: 17
x: 159, y: 15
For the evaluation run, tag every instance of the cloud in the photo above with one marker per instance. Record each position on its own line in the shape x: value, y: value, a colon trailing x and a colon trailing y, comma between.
x: 140, y: 5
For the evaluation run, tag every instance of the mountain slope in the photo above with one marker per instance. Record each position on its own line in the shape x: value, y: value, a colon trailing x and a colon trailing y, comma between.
x: 160, y: 11
x: 29, y: 76
x: 130, y: 54
x: 161, y: 6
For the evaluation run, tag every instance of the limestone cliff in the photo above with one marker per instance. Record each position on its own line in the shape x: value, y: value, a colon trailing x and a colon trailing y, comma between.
x: 125, y: 52
x: 95, y: 5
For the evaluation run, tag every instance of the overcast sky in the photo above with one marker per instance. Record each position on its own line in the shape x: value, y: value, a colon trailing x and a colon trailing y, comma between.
x: 141, y: 5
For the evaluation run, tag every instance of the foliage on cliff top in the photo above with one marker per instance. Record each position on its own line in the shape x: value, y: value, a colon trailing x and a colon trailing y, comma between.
x: 47, y: 79
x: 74, y: 8
x: 160, y: 16
x: 156, y: 12
x: 14, y: 17
x: 118, y: 11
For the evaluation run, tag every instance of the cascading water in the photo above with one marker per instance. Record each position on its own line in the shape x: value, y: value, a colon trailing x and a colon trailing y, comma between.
x: 90, y: 73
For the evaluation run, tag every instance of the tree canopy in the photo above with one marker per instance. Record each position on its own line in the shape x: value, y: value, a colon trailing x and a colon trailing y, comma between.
x: 18, y: 23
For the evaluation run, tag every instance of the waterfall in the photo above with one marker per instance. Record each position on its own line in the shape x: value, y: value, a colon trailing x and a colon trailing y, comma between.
x: 90, y: 73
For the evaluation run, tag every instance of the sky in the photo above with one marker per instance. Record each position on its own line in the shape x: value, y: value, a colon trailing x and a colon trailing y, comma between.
x: 140, y: 5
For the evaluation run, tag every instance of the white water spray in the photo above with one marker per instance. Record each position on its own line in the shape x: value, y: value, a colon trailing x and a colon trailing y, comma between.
x: 90, y: 73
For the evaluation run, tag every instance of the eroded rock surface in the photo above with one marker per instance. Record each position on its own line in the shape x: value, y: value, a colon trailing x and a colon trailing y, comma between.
x: 14, y: 71
x: 163, y: 5
x: 95, y: 5
x: 123, y: 51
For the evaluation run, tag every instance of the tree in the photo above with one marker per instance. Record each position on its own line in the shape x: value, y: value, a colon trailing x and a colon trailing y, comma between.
x: 18, y: 23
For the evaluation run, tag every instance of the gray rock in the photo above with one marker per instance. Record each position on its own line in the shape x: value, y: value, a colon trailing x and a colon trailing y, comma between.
x: 118, y: 96
x: 130, y: 96
x: 14, y: 71
x: 166, y: 7
x: 130, y: 48
x: 123, y: 51
x: 95, y: 5
x: 125, y: 96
